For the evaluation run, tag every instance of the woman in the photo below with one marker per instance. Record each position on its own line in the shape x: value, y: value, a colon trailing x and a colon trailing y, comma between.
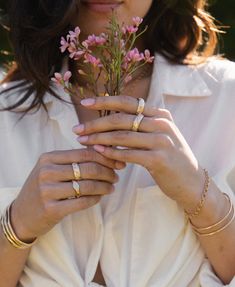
x: 84, y: 213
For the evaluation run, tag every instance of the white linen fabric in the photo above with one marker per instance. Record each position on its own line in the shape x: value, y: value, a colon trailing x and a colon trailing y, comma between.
x: 139, y: 235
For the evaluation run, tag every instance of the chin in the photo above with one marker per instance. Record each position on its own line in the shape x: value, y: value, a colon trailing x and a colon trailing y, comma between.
x: 101, y: 6
x: 93, y: 18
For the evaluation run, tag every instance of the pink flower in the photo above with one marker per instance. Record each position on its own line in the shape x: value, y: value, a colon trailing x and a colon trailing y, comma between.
x: 72, y: 50
x: 100, y: 40
x: 137, y: 21
x: 90, y: 40
x: 129, y: 29
x: 79, y: 54
x: 95, y: 62
x: 93, y: 40
x: 134, y: 56
x: 58, y: 79
x: 67, y: 76
x: 64, y: 45
x: 61, y: 80
x: 74, y: 35
x: 85, y: 45
x: 148, y: 57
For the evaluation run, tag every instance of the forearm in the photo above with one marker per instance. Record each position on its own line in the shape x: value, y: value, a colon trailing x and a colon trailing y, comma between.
x: 219, y: 247
x: 12, y: 261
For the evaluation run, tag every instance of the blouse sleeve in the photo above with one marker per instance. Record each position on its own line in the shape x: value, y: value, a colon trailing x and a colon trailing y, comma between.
x: 208, y: 278
x: 7, y: 195
x: 225, y: 180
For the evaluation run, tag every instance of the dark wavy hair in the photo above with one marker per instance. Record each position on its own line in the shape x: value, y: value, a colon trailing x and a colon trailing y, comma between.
x: 37, y: 26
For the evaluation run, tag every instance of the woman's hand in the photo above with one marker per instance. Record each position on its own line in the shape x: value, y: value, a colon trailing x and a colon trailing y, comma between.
x: 45, y: 198
x: 158, y: 145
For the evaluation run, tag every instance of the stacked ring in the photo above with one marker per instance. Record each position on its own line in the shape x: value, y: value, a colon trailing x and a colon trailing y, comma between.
x: 137, y: 122
x: 139, y: 112
x: 76, y: 188
x: 76, y: 171
x: 141, y: 105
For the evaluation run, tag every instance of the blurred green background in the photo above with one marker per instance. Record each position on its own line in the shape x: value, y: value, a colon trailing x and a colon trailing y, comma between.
x: 222, y: 10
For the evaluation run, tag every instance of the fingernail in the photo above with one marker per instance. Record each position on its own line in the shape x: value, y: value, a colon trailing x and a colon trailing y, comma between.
x: 78, y: 128
x: 99, y: 148
x: 120, y: 165
x: 88, y: 102
x: 82, y: 139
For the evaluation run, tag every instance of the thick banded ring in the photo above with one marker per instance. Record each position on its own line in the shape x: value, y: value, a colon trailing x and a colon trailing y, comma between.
x: 137, y: 122
x: 76, y: 188
x: 141, y: 105
x: 76, y: 171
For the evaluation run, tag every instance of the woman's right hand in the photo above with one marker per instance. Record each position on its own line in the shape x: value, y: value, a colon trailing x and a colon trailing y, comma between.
x: 44, y: 198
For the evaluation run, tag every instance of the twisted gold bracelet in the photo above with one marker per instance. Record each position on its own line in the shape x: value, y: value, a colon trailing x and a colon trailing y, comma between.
x: 198, y: 208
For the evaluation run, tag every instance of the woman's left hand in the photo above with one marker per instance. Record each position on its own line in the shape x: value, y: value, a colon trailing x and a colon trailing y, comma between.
x: 158, y: 145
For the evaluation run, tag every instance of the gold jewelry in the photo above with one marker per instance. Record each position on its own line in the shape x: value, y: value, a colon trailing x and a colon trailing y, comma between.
x: 198, y: 208
x: 218, y: 226
x: 76, y: 188
x: 76, y: 171
x: 201, y: 229
x: 218, y: 230
x: 141, y: 105
x: 137, y: 122
x: 9, y: 232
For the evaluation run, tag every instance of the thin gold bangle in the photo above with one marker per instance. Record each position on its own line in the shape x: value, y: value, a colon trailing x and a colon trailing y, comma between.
x: 201, y: 229
x: 219, y: 230
x: 9, y: 232
x: 7, y: 236
x: 9, y: 227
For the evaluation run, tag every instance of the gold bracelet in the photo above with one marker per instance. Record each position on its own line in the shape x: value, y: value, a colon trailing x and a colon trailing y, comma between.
x: 217, y: 224
x: 218, y: 230
x: 9, y: 232
x: 198, y: 208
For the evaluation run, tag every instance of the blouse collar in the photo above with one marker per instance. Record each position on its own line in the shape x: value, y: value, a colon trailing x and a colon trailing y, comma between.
x: 175, y: 80
x: 180, y: 80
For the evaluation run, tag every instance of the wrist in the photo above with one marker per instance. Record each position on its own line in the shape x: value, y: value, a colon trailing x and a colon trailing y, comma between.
x: 193, y: 195
x: 19, y: 227
x: 201, y: 203
x: 212, y: 212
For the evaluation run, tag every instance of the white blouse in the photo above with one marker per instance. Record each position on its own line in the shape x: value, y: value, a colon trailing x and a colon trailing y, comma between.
x: 138, y: 234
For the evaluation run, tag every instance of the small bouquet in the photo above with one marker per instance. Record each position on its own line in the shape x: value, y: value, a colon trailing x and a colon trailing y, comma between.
x: 111, y: 55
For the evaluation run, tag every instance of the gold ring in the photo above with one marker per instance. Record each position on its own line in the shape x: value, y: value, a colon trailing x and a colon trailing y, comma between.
x: 141, y: 105
x: 76, y: 171
x: 136, y: 123
x: 76, y: 188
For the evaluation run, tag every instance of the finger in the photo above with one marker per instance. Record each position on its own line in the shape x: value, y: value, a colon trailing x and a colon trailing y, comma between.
x: 123, y: 121
x: 148, y: 159
x: 78, y: 156
x: 87, y: 188
x: 89, y: 170
x: 65, y: 207
x: 128, y: 139
x: 121, y: 103
x: 132, y: 156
